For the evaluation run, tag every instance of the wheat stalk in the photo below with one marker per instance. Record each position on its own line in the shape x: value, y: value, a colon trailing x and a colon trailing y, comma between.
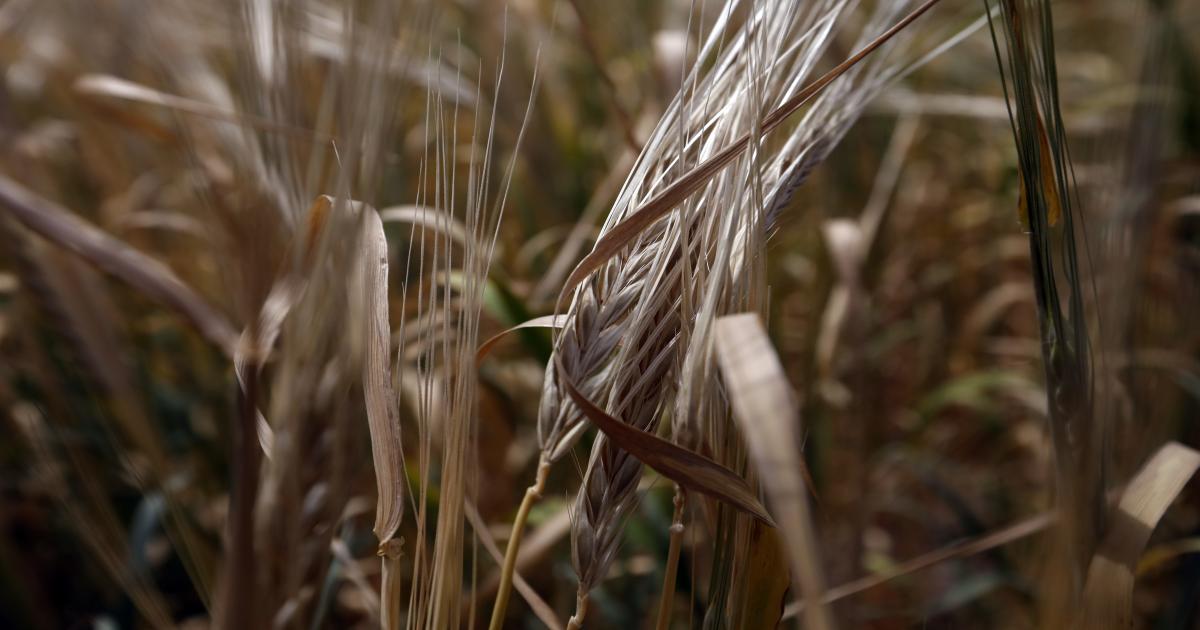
x: 692, y: 129
x: 696, y: 263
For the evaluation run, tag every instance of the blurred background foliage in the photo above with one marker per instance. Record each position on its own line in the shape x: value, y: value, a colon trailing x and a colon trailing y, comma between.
x: 924, y: 410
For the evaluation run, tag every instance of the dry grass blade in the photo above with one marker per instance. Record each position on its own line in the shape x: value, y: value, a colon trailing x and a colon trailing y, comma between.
x: 999, y: 538
x: 546, y: 321
x: 382, y: 416
x: 686, y: 468
x: 437, y: 599
x: 108, y: 86
x: 667, y: 597
x: 1108, y: 592
x: 534, y: 549
x: 110, y: 254
x: 615, y: 239
x: 543, y: 610
x: 431, y: 219
x: 766, y: 411
x: 239, y: 606
x: 769, y: 583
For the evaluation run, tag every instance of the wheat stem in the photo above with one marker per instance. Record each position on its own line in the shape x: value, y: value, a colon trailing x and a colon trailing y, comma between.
x: 391, y: 552
x: 668, y: 588
x: 581, y: 604
x: 532, y: 495
x: 239, y: 606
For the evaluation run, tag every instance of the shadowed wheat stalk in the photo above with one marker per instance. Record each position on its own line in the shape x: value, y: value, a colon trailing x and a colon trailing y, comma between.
x: 695, y: 262
x: 1049, y: 211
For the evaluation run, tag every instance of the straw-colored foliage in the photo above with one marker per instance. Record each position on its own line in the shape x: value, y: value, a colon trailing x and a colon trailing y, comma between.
x: 708, y: 314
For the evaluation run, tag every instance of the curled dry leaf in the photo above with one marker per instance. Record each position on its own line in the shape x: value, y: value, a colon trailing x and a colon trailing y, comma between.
x: 1108, y: 592
x: 382, y: 415
x: 686, y: 468
x: 429, y: 218
x: 546, y: 321
x: 766, y: 411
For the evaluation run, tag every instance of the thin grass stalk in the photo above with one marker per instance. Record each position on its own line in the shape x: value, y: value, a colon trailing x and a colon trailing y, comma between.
x: 544, y: 612
x: 532, y: 494
x: 581, y: 608
x: 448, y: 350
x: 238, y: 605
x: 666, y: 600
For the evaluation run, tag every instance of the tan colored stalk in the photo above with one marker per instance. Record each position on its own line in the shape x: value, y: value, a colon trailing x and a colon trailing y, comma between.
x: 667, y: 600
x: 581, y: 606
x: 445, y: 393
x: 532, y: 495
x: 1108, y: 591
x: 239, y: 608
x: 540, y: 608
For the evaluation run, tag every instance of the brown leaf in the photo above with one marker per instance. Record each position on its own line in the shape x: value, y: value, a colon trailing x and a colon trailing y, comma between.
x: 768, y: 416
x: 686, y: 468
x: 546, y: 321
x: 767, y: 585
x: 112, y: 255
x: 1049, y: 184
x: 432, y: 219
x: 382, y: 416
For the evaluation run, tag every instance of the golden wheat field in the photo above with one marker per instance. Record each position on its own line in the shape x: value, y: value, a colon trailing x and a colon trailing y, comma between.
x: 629, y: 314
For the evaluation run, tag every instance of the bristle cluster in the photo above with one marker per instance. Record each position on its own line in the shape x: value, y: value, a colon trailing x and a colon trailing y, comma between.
x: 638, y: 335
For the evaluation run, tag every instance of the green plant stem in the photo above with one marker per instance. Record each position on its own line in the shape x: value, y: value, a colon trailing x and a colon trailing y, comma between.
x: 667, y: 599
x: 532, y: 494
